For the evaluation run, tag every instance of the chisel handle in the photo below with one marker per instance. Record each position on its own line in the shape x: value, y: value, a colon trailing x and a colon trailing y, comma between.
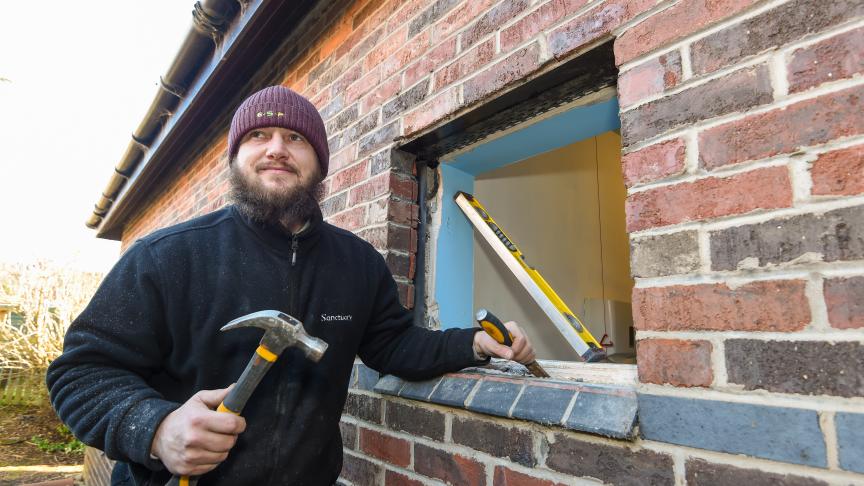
x: 495, y: 328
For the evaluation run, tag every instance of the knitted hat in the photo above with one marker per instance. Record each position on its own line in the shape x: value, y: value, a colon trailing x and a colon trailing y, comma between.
x: 278, y: 106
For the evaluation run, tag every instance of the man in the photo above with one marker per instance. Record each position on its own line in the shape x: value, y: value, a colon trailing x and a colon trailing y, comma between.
x: 135, y: 361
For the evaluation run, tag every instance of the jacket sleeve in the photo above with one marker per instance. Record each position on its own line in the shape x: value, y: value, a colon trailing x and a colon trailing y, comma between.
x: 393, y: 345
x: 98, y: 386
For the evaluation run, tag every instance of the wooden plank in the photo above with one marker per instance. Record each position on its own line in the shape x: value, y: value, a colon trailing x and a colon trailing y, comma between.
x: 608, y: 373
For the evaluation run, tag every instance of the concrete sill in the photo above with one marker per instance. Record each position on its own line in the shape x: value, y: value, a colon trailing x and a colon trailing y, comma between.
x: 604, y: 409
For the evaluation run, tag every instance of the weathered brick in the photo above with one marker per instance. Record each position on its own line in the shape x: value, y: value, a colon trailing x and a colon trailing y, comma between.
x: 362, y: 127
x: 385, y: 447
x: 616, y: 465
x: 430, y: 15
x: 838, y: 57
x: 361, y: 471
x: 850, y: 440
x: 515, y: 444
x: 708, y: 198
x: 415, y: 420
x: 346, y: 79
x: 334, y: 204
x: 784, y: 130
x: 535, y: 22
x: 844, y: 298
x: 784, y: 24
x: 466, y: 64
x: 363, y: 85
x: 661, y: 255
x: 650, y: 78
x: 739, y: 91
x: 415, y: 47
x: 383, y: 92
x: 674, y: 362
x: 836, y: 235
x: 495, y: 397
x: 403, y: 212
x: 545, y: 405
x: 448, y: 467
x: 349, y: 176
x: 343, y: 158
x: 513, y: 68
x: 392, y: 43
x: 704, y: 473
x: 594, y: 24
x: 604, y: 410
x: 679, y: 20
x: 405, y: 291
x: 461, y: 16
x: 770, y: 306
x: 351, y: 219
x: 504, y: 476
x: 349, y: 435
x: 653, y: 162
x: 777, y: 433
x: 453, y: 391
x: 839, y: 173
x: 489, y: 22
x: 393, y: 478
x: 379, y: 138
x: 406, y: 100
x: 364, y: 407
x: 434, y: 110
x: 436, y: 57
x: 804, y: 367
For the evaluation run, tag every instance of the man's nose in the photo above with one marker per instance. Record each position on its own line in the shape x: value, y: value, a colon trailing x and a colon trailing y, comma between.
x: 276, y: 147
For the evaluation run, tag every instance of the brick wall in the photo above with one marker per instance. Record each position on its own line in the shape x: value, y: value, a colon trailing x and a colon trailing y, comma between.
x: 743, y: 129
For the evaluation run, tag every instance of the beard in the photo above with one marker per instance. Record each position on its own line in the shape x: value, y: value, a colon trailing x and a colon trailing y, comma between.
x: 296, y: 204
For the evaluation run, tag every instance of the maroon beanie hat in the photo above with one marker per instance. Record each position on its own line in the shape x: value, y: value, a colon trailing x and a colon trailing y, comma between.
x: 278, y: 106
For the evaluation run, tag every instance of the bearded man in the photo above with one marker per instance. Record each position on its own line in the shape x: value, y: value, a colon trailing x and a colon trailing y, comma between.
x: 144, y: 365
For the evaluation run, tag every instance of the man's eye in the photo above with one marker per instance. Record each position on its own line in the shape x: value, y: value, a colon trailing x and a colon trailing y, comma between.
x: 296, y: 137
x: 258, y: 134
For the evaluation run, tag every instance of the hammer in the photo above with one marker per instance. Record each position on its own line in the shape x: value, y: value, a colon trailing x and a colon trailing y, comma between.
x: 281, y: 331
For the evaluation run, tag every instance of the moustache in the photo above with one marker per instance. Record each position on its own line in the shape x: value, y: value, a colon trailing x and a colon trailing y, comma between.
x: 280, y: 166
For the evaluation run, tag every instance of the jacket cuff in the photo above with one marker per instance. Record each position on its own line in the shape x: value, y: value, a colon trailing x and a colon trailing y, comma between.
x: 477, y: 360
x: 139, y: 427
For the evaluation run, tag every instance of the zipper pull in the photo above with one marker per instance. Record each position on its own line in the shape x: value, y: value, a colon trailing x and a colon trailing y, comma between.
x: 294, y: 244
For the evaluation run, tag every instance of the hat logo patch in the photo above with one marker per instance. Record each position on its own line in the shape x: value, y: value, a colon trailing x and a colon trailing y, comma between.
x: 269, y: 114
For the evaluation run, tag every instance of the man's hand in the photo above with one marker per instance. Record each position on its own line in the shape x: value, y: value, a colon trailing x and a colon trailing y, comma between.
x: 521, y: 351
x: 194, y: 439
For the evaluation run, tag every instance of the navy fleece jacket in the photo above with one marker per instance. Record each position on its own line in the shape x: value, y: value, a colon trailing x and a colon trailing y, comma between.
x: 150, y: 339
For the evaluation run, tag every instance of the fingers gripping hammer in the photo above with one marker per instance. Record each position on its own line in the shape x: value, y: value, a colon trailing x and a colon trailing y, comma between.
x: 281, y: 331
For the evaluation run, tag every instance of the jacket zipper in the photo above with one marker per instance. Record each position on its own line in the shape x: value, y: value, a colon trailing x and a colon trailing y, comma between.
x: 294, y: 245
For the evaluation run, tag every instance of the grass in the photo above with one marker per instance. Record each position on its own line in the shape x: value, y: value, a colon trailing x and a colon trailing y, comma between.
x: 67, y: 445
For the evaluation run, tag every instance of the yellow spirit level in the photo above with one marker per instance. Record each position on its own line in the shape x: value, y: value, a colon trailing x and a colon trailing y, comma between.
x: 565, y: 321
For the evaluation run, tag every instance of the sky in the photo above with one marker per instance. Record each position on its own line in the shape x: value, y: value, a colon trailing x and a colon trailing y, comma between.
x: 79, y: 77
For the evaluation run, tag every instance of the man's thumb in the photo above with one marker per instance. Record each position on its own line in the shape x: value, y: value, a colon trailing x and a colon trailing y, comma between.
x: 212, y: 398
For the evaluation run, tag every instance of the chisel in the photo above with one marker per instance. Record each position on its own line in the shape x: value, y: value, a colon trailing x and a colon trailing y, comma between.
x: 493, y: 327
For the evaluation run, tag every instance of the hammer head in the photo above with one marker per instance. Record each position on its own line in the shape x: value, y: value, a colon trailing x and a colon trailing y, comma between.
x: 280, y: 332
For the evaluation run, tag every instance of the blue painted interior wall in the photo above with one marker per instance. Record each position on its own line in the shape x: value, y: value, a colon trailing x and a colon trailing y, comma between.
x: 454, y: 272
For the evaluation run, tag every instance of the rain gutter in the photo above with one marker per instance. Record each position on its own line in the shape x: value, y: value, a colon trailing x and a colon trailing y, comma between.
x: 225, y: 47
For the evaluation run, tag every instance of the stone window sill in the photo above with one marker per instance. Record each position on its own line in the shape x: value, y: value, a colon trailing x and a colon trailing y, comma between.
x: 607, y: 409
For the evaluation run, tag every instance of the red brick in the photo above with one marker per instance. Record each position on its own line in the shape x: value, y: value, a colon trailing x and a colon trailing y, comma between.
x: 403, y: 212
x: 845, y: 300
x: 433, y: 110
x: 408, y: 9
x: 360, y: 470
x: 343, y: 158
x: 513, y: 68
x: 468, y: 63
x: 386, y: 48
x: 382, y: 93
x: 448, y: 467
x: 489, y: 22
x: 784, y: 130
x: 674, y: 362
x: 461, y: 16
x: 406, y: 294
x: 594, y: 24
x: 369, y: 190
x: 385, y: 447
x: 394, y: 478
x: 438, y: 56
x: 538, y: 20
x: 839, y: 173
x: 654, y: 162
x: 709, y: 198
x: 839, y: 57
x: 504, y: 476
x: 362, y: 86
x: 349, y: 176
x: 351, y: 219
x: 777, y: 305
x: 679, y: 20
x: 650, y: 78
x: 412, y: 50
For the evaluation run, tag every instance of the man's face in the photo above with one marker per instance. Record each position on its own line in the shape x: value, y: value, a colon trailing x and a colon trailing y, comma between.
x: 276, y: 160
x: 275, y: 177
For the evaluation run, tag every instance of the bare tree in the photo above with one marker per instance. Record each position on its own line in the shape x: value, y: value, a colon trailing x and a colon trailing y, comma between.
x: 48, y: 297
